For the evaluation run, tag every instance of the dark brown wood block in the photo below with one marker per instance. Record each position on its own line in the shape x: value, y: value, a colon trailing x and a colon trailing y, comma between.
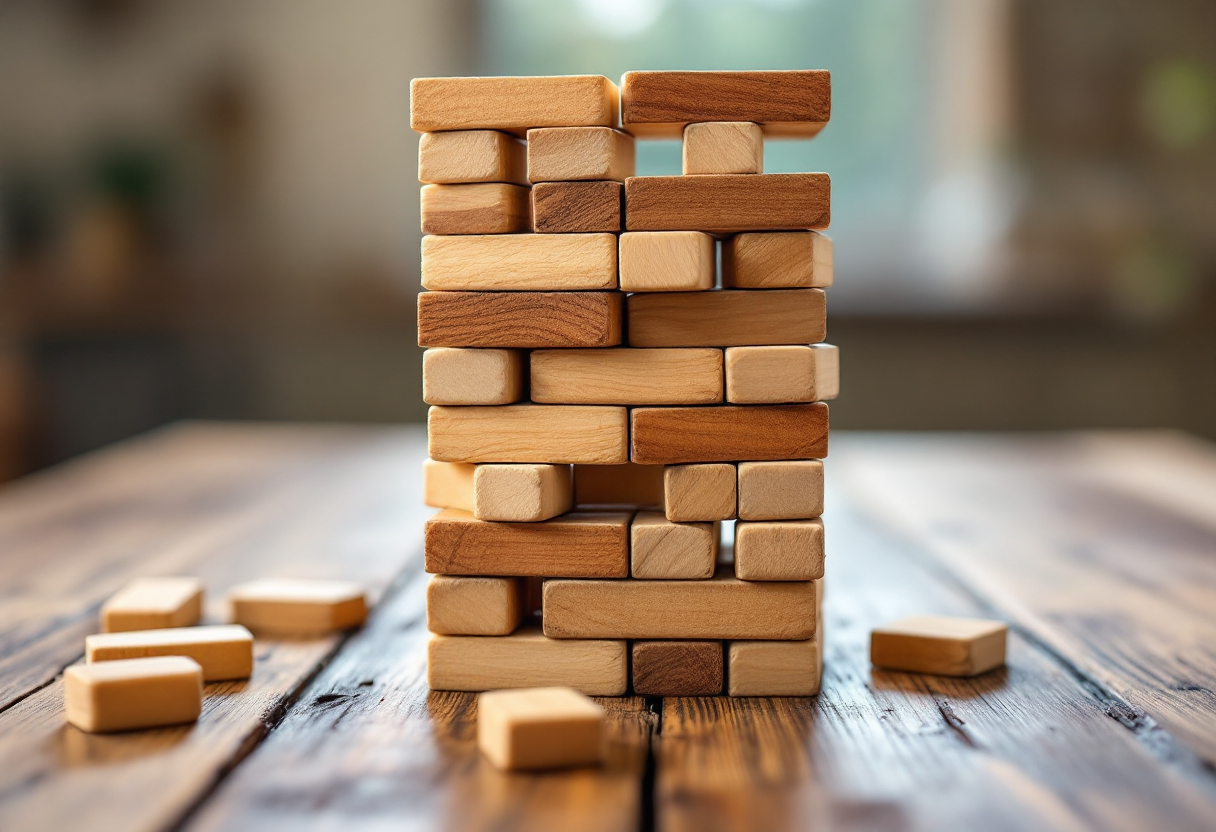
x: 727, y: 318
x: 729, y: 203
x: 677, y: 668
x: 519, y: 319
x: 572, y: 207
x: 677, y: 435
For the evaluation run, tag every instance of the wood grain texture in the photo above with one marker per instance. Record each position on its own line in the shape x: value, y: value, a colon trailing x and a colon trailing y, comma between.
x: 678, y: 435
x: 577, y: 207
x: 662, y: 550
x: 667, y: 261
x: 699, y: 492
x: 462, y: 156
x: 559, y: 434
x: 519, y: 262
x: 456, y: 376
x: 527, y: 659
x: 521, y: 493
x: 723, y: 147
x: 533, y: 320
x: 779, y: 550
x: 940, y: 645
x: 512, y: 104
x: 791, y: 490
x: 727, y: 318
x: 628, y: 485
x: 448, y: 484
x: 463, y: 605
x: 776, y: 375
x: 627, y: 376
x: 775, y: 668
x: 539, y: 728
x: 564, y: 154
x: 777, y: 260
x: 729, y: 203
x: 481, y: 208
x: 677, y: 668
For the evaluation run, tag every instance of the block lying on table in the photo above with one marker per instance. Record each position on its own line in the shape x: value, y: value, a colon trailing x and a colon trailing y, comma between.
x: 939, y: 644
x: 677, y: 668
x: 521, y: 493
x: 662, y: 550
x: 153, y: 604
x: 475, y: 605
x: 455, y: 376
x: 790, y: 490
x: 532, y: 320
x: 628, y: 485
x: 481, y: 208
x: 778, y: 375
x: 292, y: 606
x: 462, y: 156
x: 729, y: 203
x: 529, y: 433
x: 540, y: 728
x: 564, y: 154
x: 224, y: 651
x: 777, y: 260
x: 627, y: 376
x: 779, y: 550
x: 527, y: 659
x: 448, y: 484
x: 512, y: 104
x: 727, y: 318
x: 667, y: 261
x: 576, y: 207
x: 694, y: 493
x: 133, y: 693
x: 677, y: 435
x: 775, y: 668
x: 519, y: 262
x: 723, y: 147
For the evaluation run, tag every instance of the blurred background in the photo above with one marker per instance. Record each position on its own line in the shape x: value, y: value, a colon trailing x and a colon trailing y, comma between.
x: 208, y: 209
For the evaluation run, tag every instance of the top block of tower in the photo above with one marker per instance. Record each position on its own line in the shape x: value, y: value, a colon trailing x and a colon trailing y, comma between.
x: 512, y: 104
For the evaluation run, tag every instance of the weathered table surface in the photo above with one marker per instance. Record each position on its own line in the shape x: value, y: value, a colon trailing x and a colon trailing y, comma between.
x: 1099, y: 548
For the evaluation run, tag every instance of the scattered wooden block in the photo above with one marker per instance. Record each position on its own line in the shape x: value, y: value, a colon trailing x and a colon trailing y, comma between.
x: 527, y: 659
x: 224, y: 651
x: 938, y: 644
x: 699, y: 492
x: 677, y: 435
x: 790, y: 490
x: 775, y: 668
x: 153, y: 604
x: 133, y: 693
x: 667, y: 261
x: 677, y: 668
x: 777, y: 260
x: 723, y: 147
x: 462, y: 156
x: 532, y: 320
x: 512, y: 104
x: 560, y: 434
x: 576, y: 207
x: 727, y: 318
x: 779, y: 550
x: 475, y: 606
x: 519, y: 262
x: 662, y: 550
x: 729, y: 203
x: 627, y: 376
x: 522, y: 493
x: 448, y: 484
x: 482, y: 208
x: 293, y: 606
x: 456, y: 376
x: 777, y: 375
x: 618, y: 486
x: 540, y: 728
x: 565, y: 154
x: 575, y: 545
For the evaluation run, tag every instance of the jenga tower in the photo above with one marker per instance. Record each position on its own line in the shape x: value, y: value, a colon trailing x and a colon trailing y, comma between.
x: 603, y: 395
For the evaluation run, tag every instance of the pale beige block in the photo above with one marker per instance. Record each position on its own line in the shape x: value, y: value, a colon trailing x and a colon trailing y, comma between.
x: 152, y: 604
x: 782, y: 550
x: 529, y: 433
x: 471, y: 156
x: 224, y: 651
x: 627, y: 376
x: 777, y: 260
x: 699, y: 492
x: 782, y: 375
x: 519, y: 262
x: 775, y: 668
x: 522, y: 493
x: 942, y: 645
x: 781, y: 490
x: 294, y: 606
x: 723, y: 147
x: 479, y: 208
x: 458, y: 376
x: 514, y: 104
x: 666, y: 261
x: 567, y: 154
x: 133, y: 693
x: 528, y: 659
x: 540, y: 728
x: 662, y: 550
x: 448, y: 484
x: 618, y: 486
x: 475, y: 605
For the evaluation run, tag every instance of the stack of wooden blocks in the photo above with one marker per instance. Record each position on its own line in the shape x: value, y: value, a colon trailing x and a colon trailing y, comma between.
x: 604, y: 395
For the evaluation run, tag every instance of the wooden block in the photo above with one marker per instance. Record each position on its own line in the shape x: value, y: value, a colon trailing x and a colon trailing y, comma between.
x: 677, y: 435
x: 462, y: 156
x: 628, y: 485
x: 532, y: 320
x: 777, y: 375
x: 939, y: 644
x: 224, y: 651
x: 662, y: 550
x: 727, y: 318
x: 722, y: 607
x: 482, y: 208
x: 559, y: 434
x: 575, y: 545
x: 460, y: 377
x: 474, y: 606
x: 779, y: 550
x: 790, y: 490
x: 729, y: 203
x: 527, y: 659
x: 777, y: 260
x: 577, y: 207
x: 519, y: 262
x: 522, y: 493
x: 512, y: 104
x: 133, y: 693
x: 775, y: 668
x: 152, y: 604
x: 677, y: 668
x: 298, y: 606
x: 566, y: 154
x: 448, y: 484
x: 627, y: 376
x: 699, y: 492
x: 723, y: 147
x: 667, y: 261
x: 540, y: 728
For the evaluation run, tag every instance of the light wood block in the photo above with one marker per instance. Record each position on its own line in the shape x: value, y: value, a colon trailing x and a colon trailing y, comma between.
x: 565, y: 154
x: 577, y: 207
x: 133, y: 693
x: 559, y: 434
x: 448, y: 484
x: 677, y: 668
x: 777, y: 260
x: 224, y: 651
x: 455, y: 376
x: 512, y: 104
x: 527, y: 659
x: 729, y: 203
x: 627, y: 376
x: 475, y: 606
x: 482, y: 208
x: 775, y: 668
x: 727, y: 318
x: 575, y: 545
x: 723, y: 147
x: 699, y: 492
x: 779, y: 550
x: 781, y: 374
x: 540, y: 728
x: 463, y: 156
x: 662, y: 550
x: 667, y: 261
x: 628, y: 485
x: 152, y: 604
x: 522, y: 493
x: 940, y: 645
x: 292, y: 606
x: 790, y: 490
x: 519, y: 262
x: 532, y: 320
x: 678, y: 435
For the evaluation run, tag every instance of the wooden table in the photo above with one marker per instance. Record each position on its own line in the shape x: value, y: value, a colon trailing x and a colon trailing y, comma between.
x: 1099, y: 548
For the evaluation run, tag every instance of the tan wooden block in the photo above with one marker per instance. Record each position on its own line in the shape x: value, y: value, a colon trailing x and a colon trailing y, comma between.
x: 522, y: 493
x: 462, y: 156
x: 779, y: 550
x: 666, y: 261
x: 455, y: 376
x: 627, y: 376
x: 133, y: 693
x: 224, y: 651
x: 662, y: 550
x: 723, y: 147
x: 564, y: 154
x: 512, y: 104
x: 481, y: 208
x: 677, y: 668
x: 448, y: 484
x: 559, y: 434
x: 153, y: 604
x: 938, y: 644
x: 782, y: 374
x: 777, y: 260
x: 729, y: 203
x: 527, y: 659
x: 628, y: 485
x: 540, y: 728
x: 727, y: 318
x: 790, y: 490
x: 533, y: 320
x: 775, y: 668
x: 293, y: 606
x: 577, y: 207
x: 519, y: 262
x: 475, y: 606
x: 699, y: 492
x: 679, y: 435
